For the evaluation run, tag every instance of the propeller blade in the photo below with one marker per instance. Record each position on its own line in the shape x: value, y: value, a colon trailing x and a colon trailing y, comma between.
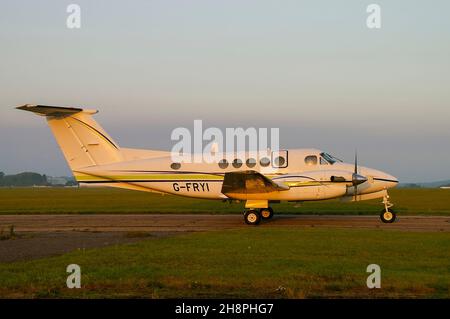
x: 356, y: 178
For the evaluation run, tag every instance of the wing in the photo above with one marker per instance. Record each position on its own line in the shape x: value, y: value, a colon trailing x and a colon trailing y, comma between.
x: 249, y: 182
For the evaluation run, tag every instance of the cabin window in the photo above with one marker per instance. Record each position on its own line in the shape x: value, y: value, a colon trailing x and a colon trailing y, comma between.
x: 175, y: 166
x: 279, y: 161
x: 223, y: 163
x: 311, y: 160
x: 265, y: 161
x: 237, y: 163
x: 251, y: 162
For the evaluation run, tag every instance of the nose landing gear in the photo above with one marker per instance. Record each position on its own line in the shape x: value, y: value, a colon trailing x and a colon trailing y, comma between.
x: 387, y: 214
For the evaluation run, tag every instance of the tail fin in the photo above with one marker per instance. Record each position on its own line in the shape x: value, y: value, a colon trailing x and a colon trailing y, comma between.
x: 81, y: 139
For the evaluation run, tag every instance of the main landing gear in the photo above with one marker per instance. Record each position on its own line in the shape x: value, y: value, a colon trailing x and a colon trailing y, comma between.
x: 254, y: 216
x: 387, y: 214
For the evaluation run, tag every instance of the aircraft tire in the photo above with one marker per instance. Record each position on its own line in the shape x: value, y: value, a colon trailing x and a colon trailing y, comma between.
x: 266, y: 213
x: 388, y: 216
x: 252, y: 217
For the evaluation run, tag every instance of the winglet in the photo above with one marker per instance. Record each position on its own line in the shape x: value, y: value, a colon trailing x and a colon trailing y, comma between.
x: 47, y: 110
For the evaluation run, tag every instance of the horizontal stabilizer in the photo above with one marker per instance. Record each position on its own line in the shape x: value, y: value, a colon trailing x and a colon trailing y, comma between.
x: 47, y: 110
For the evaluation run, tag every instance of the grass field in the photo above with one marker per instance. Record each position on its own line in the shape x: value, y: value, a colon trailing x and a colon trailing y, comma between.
x: 106, y: 200
x: 249, y: 263
x: 254, y: 262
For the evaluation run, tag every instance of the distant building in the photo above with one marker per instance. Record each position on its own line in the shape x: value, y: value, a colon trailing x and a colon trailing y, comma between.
x: 445, y: 187
x: 60, y: 181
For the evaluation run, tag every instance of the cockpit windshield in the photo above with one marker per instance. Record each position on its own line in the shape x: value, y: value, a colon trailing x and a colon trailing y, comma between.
x: 329, y: 158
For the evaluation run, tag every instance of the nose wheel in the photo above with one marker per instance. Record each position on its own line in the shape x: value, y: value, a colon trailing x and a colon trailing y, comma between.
x: 387, y: 214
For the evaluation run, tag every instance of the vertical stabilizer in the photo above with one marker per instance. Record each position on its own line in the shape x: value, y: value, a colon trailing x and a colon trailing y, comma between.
x: 81, y: 139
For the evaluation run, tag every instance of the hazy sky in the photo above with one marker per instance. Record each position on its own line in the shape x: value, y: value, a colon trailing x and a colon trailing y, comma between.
x: 311, y: 68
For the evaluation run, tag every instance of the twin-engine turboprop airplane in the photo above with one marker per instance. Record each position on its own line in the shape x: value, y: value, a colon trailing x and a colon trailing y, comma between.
x: 271, y: 176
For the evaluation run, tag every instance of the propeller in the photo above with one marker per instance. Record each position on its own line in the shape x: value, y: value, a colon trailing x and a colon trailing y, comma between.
x: 356, y: 178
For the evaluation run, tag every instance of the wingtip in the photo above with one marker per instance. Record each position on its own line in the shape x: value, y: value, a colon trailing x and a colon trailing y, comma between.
x: 25, y: 107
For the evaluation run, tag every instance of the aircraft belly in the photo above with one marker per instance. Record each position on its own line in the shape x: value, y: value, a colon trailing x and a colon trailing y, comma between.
x: 304, y: 193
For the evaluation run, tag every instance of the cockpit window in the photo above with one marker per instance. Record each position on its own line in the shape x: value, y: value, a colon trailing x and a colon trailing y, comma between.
x: 329, y: 158
x: 311, y: 160
x: 323, y: 161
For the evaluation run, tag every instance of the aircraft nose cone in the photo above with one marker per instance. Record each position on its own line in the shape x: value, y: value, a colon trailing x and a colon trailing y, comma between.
x: 394, y: 179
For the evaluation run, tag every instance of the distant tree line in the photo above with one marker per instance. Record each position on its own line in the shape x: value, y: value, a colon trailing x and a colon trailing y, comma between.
x: 411, y: 185
x: 23, y: 179
x: 27, y: 179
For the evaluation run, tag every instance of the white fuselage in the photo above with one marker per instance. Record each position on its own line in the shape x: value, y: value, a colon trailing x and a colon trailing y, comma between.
x: 306, y: 173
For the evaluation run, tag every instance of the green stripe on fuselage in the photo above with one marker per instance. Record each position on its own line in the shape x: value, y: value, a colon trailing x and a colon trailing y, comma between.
x: 149, y: 177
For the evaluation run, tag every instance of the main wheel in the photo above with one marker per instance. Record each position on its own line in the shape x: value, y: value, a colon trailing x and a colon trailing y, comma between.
x: 252, y: 217
x: 388, y: 216
x: 266, y: 213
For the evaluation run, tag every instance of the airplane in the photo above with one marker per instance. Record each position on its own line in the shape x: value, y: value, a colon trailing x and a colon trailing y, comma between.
x: 294, y: 175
